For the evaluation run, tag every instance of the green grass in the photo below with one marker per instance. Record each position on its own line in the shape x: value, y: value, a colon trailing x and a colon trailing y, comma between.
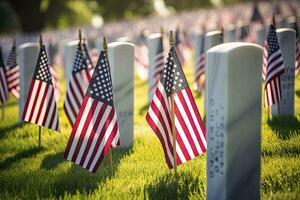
x: 28, y: 172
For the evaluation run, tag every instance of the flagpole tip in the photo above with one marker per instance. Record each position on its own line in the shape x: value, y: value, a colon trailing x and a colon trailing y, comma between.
x: 104, y: 44
x: 41, y: 40
x: 79, y: 35
x: 273, y: 21
x: 171, y: 39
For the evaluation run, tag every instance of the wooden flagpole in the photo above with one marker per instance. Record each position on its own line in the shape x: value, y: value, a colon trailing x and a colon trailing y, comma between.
x: 40, y: 128
x: 109, y: 155
x: 173, y: 114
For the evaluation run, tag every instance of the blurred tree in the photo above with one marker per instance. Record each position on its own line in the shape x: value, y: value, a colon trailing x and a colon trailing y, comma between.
x: 124, y: 9
x: 9, y: 20
x: 187, y: 4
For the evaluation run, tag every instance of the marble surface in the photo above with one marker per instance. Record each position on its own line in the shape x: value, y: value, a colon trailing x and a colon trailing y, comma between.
x: 153, y: 41
x: 69, y: 52
x: 212, y: 39
x: 27, y: 59
x: 121, y: 59
x: 287, y: 41
x: 233, y: 121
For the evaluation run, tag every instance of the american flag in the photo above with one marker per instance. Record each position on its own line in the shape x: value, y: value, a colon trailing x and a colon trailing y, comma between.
x: 200, y: 66
x: 12, y: 73
x: 297, y: 57
x: 189, y: 129
x: 297, y: 61
x: 40, y: 107
x: 3, y: 81
x: 78, y: 84
x: 158, y: 67
x: 273, y: 69
x: 96, y: 128
x: 141, y: 59
x: 256, y: 22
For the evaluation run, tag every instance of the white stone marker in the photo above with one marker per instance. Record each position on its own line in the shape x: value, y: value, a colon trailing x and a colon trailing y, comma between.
x: 230, y: 33
x: 70, y: 48
x: 233, y: 121
x: 153, y: 41
x: 287, y: 41
x: 121, y: 59
x: 27, y: 59
x: 212, y: 39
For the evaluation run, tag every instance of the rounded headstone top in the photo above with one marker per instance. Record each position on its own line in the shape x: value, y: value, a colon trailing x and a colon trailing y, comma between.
x: 120, y: 44
x: 212, y: 33
x: 72, y: 42
x: 154, y: 36
x: 230, y: 27
x: 197, y: 32
x: 124, y: 39
x: 230, y: 46
x: 29, y: 44
x: 280, y: 30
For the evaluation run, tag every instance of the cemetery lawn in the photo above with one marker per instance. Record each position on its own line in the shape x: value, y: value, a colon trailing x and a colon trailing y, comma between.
x: 29, y: 172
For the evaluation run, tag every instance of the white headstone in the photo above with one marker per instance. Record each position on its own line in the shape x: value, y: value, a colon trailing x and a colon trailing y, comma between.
x: 212, y: 39
x: 27, y: 59
x: 121, y: 59
x: 233, y: 121
x: 287, y: 41
x: 153, y: 43
x: 70, y: 48
x: 230, y: 34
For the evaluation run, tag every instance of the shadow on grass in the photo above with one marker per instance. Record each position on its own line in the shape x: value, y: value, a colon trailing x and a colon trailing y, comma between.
x: 285, y: 127
x: 19, y: 156
x: 77, y: 179
x: 298, y: 93
x: 52, y: 161
x: 5, y: 130
x: 144, y: 109
x: 171, y: 186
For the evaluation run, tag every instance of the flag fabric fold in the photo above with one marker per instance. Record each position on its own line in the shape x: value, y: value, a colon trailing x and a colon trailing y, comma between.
x: 40, y: 107
x: 95, y: 129
x: 78, y: 84
x: 3, y: 81
x: 189, y: 128
x: 273, y: 68
x: 13, y: 73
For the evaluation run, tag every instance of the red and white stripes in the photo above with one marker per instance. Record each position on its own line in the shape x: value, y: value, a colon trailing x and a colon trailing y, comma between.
x: 78, y: 85
x: 94, y: 132
x: 3, y: 85
x: 40, y: 107
x: 13, y: 79
x: 190, y: 131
